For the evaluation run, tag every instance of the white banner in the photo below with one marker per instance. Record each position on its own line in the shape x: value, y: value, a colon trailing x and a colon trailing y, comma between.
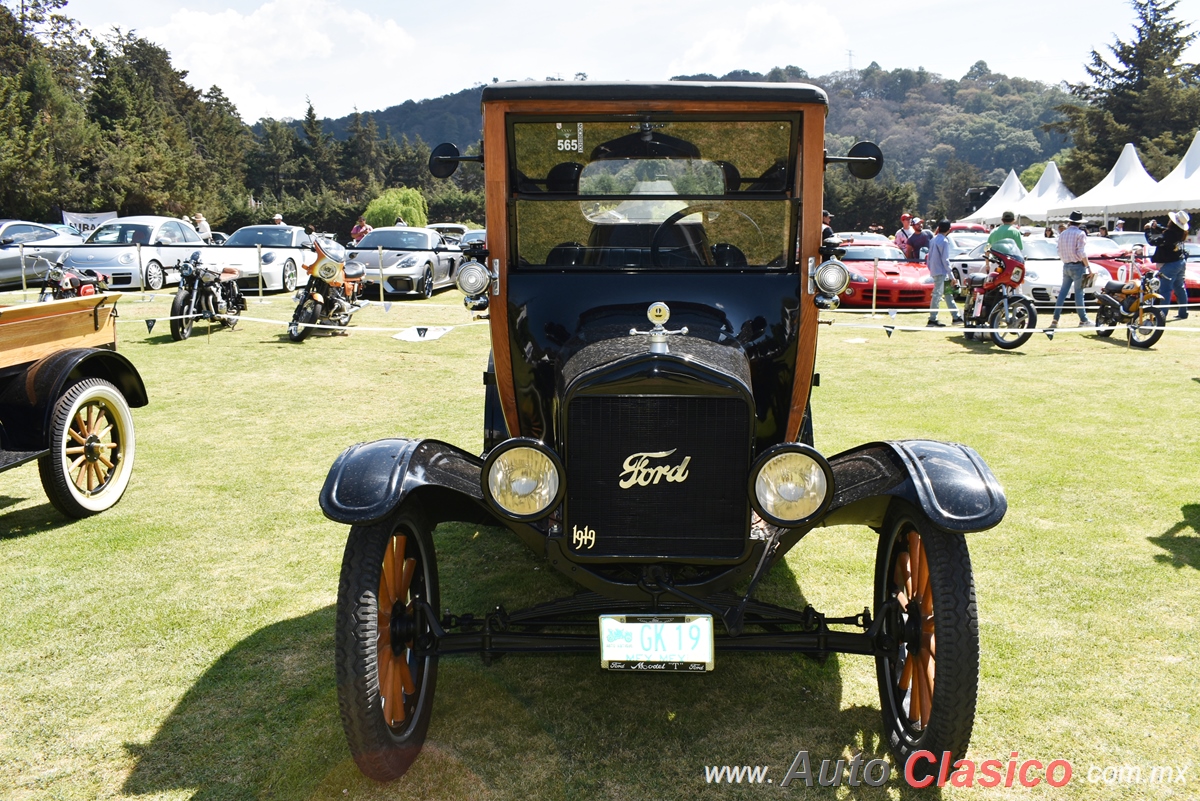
x: 86, y: 223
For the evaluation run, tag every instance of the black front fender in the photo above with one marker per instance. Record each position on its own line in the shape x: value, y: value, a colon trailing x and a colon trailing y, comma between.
x: 370, y: 479
x: 950, y: 482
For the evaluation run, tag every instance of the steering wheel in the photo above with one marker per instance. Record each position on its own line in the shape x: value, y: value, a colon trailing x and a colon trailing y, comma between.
x: 687, y: 211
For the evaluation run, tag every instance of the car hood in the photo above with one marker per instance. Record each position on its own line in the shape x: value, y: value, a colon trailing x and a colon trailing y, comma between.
x: 102, y: 256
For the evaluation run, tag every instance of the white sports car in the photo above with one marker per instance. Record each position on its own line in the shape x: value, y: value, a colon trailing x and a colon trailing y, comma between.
x: 415, y: 261
x: 283, y: 254
x: 113, y: 248
x: 1044, y: 275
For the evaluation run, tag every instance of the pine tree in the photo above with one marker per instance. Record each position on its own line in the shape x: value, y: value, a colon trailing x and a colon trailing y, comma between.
x: 1146, y: 95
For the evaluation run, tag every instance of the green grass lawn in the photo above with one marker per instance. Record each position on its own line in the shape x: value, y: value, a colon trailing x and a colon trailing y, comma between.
x: 180, y: 645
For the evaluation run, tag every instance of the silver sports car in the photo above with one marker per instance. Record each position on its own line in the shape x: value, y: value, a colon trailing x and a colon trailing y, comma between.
x: 415, y: 261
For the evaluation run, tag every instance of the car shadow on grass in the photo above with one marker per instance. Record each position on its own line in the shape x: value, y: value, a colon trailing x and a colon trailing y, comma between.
x: 262, y: 721
x: 1182, y: 549
x: 24, y: 522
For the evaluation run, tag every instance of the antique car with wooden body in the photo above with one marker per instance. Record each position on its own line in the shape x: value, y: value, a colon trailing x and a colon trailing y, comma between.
x: 65, y: 398
x: 653, y: 276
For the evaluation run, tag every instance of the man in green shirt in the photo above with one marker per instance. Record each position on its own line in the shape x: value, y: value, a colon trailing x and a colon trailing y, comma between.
x: 1007, y: 231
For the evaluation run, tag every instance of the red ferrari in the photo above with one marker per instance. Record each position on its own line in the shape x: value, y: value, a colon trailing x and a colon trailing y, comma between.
x: 896, y: 283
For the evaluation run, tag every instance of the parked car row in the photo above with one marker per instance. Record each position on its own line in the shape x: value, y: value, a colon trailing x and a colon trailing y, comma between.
x: 899, y: 282
x: 144, y: 251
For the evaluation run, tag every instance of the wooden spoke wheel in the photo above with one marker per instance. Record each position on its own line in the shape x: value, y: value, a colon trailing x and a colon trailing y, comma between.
x: 386, y: 666
x: 925, y: 591
x: 91, y: 449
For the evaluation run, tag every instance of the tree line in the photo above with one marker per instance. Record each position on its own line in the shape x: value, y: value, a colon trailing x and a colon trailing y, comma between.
x: 106, y: 122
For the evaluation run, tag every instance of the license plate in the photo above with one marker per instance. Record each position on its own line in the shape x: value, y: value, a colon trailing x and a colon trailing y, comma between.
x: 656, y: 642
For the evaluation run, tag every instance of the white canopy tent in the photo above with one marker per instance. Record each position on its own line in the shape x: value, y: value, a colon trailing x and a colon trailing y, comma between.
x: 1127, y: 179
x: 1050, y: 192
x: 1007, y: 198
x: 1179, y: 190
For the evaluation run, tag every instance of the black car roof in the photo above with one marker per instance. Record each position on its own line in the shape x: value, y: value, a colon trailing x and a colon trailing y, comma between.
x: 661, y: 90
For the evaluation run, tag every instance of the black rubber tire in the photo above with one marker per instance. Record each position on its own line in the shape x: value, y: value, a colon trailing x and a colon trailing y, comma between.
x: 117, y: 445
x: 381, y: 751
x: 235, y: 303
x: 306, y: 312
x: 1106, y: 322
x: 182, y: 328
x: 426, y: 288
x: 155, y: 278
x: 289, y: 276
x: 1023, y: 314
x: 956, y: 640
x: 1140, y: 337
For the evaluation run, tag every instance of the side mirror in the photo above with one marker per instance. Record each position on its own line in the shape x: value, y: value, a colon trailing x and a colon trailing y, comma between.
x: 865, y: 160
x: 8, y: 240
x: 444, y: 159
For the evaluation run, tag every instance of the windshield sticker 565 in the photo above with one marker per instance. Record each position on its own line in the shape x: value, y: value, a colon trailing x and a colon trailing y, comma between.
x: 570, y: 138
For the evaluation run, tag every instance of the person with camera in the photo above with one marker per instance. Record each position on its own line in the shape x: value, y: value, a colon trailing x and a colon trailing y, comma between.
x: 1171, y: 258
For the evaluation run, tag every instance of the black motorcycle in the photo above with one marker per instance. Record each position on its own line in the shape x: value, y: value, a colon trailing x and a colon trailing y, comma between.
x: 204, y: 294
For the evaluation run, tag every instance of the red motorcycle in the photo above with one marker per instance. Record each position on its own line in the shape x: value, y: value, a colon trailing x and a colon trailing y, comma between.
x: 994, y: 302
x: 64, y: 282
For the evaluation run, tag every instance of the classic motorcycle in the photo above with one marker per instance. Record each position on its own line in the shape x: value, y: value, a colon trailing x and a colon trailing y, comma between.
x: 1132, y: 303
x: 61, y: 282
x: 205, y: 294
x: 993, y: 300
x: 332, y: 294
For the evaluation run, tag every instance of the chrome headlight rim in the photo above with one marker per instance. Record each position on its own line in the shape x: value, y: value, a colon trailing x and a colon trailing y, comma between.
x: 476, y: 274
x: 512, y: 444
x: 831, y: 277
x: 778, y: 450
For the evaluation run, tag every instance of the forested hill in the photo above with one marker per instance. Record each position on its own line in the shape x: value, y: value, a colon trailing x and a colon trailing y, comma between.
x: 450, y: 118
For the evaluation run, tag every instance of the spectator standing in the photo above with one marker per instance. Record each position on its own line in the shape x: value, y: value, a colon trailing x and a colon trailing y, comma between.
x: 1071, y: 243
x: 1103, y: 231
x: 1006, y: 230
x: 277, y: 219
x: 901, y: 238
x: 360, y: 230
x: 1049, y: 232
x: 203, y: 229
x: 917, y: 240
x: 1119, y: 226
x: 826, y: 227
x: 939, y: 269
x: 1171, y: 258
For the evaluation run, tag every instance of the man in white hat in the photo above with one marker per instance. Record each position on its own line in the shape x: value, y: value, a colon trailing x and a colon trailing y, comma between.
x: 1071, y: 252
x: 277, y: 219
x: 1171, y: 259
x: 202, y: 228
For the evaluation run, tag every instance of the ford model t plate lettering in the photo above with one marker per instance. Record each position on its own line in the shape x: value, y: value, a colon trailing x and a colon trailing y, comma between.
x: 656, y: 642
x: 653, y: 276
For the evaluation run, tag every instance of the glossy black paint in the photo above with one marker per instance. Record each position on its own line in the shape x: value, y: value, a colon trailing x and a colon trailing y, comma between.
x: 28, y: 393
x: 553, y: 315
x: 950, y: 482
x: 370, y: 479
x: 632, y: 91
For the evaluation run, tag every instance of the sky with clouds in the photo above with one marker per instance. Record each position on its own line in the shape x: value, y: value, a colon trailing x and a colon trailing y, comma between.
x: 270, y: 55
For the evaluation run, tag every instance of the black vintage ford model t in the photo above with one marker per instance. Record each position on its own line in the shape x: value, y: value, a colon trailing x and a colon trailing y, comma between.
x: 653, y: 275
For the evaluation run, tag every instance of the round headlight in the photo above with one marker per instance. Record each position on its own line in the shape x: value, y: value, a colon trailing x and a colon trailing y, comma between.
x: 328, y: 270
x: 268, y: 257
x: 472, y: 278
x: 791, y: 484
x: 125, y: 258
x: 522, y: 479
x: 1155, y: 284
x: 832, y: 277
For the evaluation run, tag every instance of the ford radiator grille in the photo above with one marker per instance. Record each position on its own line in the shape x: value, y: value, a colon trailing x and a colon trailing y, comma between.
x: 657, y: 476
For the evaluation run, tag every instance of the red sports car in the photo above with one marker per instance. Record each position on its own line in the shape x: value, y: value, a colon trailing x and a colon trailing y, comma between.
x: 897, y: 283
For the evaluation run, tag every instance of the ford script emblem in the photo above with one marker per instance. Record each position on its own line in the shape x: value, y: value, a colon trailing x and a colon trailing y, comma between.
x: 640, y: 472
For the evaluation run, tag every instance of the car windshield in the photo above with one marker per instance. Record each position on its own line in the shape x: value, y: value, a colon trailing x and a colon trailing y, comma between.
x: 872, y: 252
x: 273, y: 236
x: 1100, y: 245
x: 1193, y: 251
x: 121, y: 234
x: 654, y: 191
x: 396, y: 240
x: 1041, y: 249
